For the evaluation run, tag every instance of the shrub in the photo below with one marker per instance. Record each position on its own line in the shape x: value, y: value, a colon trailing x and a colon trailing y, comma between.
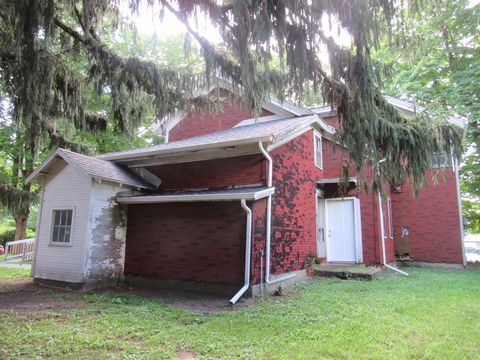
x: 8, y: 234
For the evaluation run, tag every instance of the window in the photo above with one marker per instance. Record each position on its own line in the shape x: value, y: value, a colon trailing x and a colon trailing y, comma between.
x: 61, y: 226
x: 390, y: 223
x: 441, y: 160
x: 317, y: 140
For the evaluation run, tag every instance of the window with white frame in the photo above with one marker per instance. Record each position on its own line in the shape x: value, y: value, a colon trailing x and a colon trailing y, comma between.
x: 390, y: 222
x: 317, y: 139
x: 441, y: 160
x: 61, y: 226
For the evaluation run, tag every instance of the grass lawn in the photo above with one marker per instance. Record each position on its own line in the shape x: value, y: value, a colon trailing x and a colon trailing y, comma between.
x: 433, y: 314
x: 11, y: 274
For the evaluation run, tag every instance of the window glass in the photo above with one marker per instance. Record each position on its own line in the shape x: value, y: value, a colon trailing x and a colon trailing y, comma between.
x: 62, y: 225
x: 318, y: 151
x: 441, y: 160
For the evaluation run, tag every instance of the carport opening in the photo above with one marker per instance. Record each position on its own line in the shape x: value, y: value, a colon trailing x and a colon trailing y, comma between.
x: 190, y: 246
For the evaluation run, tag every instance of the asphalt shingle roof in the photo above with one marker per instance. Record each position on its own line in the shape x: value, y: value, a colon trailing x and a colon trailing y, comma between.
x: 102, y: 169
x: 272, y: 129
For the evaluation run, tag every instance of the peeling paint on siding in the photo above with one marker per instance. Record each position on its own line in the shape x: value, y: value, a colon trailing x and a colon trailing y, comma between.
x: 108, y: 227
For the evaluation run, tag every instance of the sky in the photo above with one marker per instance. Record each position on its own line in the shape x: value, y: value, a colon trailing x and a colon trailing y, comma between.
x: 170, y: 26
x: 147, y: 22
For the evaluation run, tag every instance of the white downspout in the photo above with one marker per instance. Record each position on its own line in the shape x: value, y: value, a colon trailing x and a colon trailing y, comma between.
x: 382, y: 234
x: 268, y: 233
x: 248, y: 249
x: 460, y: 211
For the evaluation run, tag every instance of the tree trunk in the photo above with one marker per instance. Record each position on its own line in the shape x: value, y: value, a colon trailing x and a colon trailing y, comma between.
x: 21, y: 226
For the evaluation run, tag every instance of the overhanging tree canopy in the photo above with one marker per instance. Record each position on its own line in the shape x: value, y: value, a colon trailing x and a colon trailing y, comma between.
x: 41, y: 83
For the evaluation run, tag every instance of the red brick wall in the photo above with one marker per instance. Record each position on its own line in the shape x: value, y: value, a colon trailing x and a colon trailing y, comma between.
x: 432, y: 220
x: 332, y: 121
x: 203, y: 242
x: 218, y: 173
x: 207, y: 121
x: 293, y: 206
x: 389, y: 241
x: 334, y: 156
x: 259, y: 216
x: 371, y: 228
x: 293, y: 213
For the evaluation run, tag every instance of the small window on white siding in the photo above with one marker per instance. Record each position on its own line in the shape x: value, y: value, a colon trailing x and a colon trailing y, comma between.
x: 317, y: 139
x: 61, y: 226
x: 390, y: 222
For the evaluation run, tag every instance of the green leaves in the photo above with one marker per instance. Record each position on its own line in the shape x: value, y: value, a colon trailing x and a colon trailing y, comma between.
x: 16, y: 200
x: 438, y: 67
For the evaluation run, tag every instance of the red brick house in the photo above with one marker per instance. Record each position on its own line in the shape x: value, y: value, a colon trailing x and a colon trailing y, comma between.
x: 231, y: 202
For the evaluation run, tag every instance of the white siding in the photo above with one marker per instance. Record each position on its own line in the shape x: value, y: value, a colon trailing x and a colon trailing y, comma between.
x: 66, y: 187
x: 106, y: 234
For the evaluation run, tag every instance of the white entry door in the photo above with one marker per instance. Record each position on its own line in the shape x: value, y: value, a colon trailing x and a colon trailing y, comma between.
x: 343, y: 230
x: 321, y: 245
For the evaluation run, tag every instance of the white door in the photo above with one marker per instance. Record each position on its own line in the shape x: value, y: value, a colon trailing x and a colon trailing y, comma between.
x: 341, y: 231
x: 321, y: 246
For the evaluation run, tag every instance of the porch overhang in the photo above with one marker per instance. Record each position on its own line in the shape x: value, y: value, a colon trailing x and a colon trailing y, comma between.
x: 337, y: 180
x: 247, y: 194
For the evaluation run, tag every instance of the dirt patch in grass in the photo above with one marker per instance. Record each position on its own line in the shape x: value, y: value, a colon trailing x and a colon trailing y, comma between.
x: 189, y: 301
x: 200, y: 302
x: 187, y: 354
x: 22, y: 295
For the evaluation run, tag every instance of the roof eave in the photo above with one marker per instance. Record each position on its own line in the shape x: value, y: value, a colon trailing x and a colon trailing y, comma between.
x: 57, y: 153
x: 220, y: 196
x: 123, y: 183
x: 412, y: 108
x: 155, y: 153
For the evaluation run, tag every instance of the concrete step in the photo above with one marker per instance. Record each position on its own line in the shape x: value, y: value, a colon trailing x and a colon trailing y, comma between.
x: 347, y: 272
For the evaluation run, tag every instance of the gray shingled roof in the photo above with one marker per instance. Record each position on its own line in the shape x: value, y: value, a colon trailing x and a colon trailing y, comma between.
x: 269, y: 130
x: 297, y: 110
x: 96, y: 168
x: 411, y: 108
x: 105, y: 169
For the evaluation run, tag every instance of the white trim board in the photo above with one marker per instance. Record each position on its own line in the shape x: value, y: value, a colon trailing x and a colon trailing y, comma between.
x: 138, y: 154
x: 225, y: 195
x: 352, y: 179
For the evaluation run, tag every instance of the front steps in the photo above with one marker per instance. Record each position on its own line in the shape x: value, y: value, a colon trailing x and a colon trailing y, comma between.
x: 348, y: 271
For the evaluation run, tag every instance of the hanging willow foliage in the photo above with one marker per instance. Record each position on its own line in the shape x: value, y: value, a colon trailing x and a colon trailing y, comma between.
x: 40, y: 41
x: 18, y: 200
x: 295, y: 31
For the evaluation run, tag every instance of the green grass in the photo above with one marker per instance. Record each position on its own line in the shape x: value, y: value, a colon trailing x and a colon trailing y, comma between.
x: 2, y: 257
x: 433, y: 314
x: 8, y: 274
